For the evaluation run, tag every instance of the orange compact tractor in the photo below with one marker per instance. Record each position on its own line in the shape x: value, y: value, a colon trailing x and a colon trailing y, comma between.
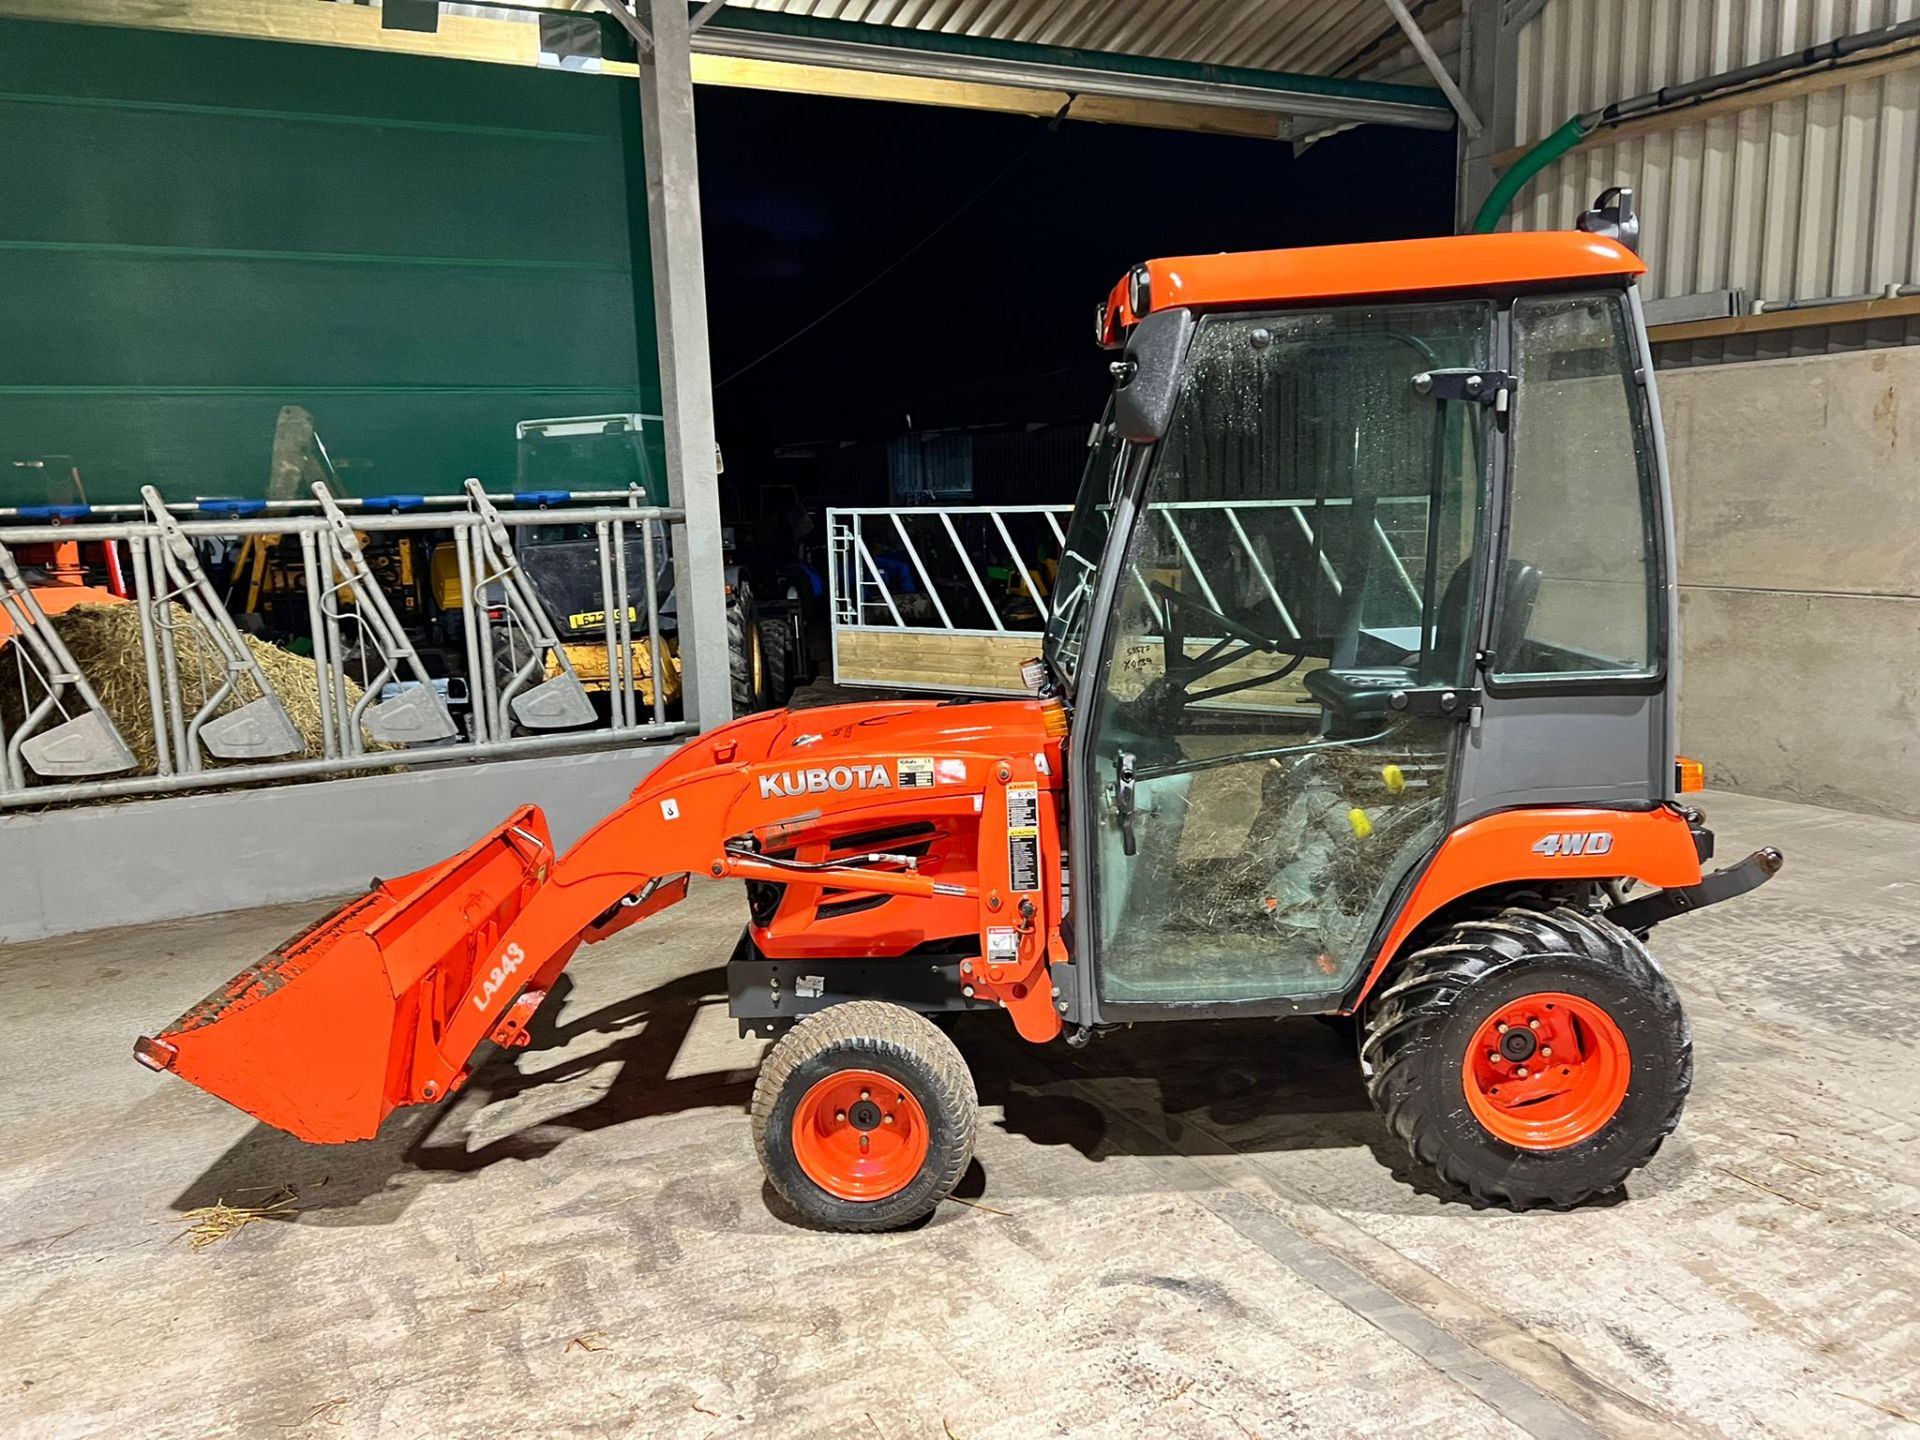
x: 1357, y: 699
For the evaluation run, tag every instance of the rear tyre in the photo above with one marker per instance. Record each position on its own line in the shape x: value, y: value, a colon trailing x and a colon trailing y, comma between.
x: 1529, y: 1057
x: 863, y: 1117
x: 745, y: 659
x: 776, y: 649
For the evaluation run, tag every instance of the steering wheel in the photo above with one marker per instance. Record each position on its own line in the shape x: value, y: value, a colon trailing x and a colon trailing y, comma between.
x: 1167, y: 693
x: 1232, y: 628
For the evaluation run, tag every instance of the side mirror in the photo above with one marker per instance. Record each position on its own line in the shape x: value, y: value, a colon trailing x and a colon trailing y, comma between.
x: 1612, y: 216
x: 1147, y: 381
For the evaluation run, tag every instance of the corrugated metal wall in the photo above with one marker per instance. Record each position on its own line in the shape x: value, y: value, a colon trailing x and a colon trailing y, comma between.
x: 1799, y: 199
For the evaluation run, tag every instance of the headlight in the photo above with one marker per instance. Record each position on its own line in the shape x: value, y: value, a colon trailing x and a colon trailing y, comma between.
x: 1139, y: 291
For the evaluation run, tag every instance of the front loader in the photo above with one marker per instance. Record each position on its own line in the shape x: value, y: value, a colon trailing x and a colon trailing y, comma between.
x: 1357, y: 699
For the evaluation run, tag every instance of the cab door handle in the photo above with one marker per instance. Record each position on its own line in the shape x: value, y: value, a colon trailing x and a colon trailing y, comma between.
x: 1123, y: 801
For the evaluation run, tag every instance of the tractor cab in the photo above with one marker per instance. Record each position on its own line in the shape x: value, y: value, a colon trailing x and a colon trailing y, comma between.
x: 1371, y: 542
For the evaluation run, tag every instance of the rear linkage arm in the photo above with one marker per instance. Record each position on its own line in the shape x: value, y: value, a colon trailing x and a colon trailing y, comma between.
x: 1751, y: 873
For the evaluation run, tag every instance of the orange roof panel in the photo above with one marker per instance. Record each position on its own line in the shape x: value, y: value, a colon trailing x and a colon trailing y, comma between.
x: 1390, y: 267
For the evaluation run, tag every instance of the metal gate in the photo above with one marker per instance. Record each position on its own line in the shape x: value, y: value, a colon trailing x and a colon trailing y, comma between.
x: 953, y: 598
x: 208, y: 715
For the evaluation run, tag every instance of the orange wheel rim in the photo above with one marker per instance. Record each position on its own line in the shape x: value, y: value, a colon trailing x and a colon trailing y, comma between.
x: 860, y: 1135
x: 1546, y: 1071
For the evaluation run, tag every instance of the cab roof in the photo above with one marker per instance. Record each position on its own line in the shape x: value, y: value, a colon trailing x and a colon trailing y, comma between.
x: 1384, y: 268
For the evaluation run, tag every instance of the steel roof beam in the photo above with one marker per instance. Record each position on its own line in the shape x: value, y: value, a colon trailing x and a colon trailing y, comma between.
x: 772, y: 36
x: 629, y: 22
x: 1417, y: 38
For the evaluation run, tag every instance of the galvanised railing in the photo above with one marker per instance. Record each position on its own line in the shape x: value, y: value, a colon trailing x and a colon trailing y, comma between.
x: 208, y: 715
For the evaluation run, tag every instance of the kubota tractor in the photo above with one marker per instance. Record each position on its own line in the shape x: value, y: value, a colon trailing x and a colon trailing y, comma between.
x: 1357, y: 699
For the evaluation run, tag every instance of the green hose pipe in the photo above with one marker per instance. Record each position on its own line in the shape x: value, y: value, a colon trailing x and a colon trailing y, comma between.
x: 1524, y: 169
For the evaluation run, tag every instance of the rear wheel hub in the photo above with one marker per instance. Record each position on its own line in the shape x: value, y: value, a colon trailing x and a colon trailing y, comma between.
x: 1517, y: 1045
x: 1546, y: 1071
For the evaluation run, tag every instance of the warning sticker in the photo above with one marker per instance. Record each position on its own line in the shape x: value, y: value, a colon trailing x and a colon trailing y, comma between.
x: 916, y: 772
x: 1023, y: 809
x: 1003, y: 945
x: 950, y: 772
x: 1023, y: 862
x: 1023, y: 837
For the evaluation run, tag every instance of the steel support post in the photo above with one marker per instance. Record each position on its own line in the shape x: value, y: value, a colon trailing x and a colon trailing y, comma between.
x: 686, y: 374
x: 1488, y: 71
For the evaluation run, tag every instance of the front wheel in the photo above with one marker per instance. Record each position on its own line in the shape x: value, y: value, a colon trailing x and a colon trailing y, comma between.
x: 1531, y: 1057
x: 863, y: 1117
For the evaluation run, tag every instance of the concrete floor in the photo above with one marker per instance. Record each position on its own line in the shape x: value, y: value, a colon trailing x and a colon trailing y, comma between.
x: 1181, y: 1230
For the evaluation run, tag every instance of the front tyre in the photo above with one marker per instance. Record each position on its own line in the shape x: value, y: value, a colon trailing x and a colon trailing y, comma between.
x: 1530, y: 1057
x: 863, y: 1117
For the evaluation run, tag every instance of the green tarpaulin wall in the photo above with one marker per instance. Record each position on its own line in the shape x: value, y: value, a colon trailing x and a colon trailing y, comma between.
x: 197, y: 231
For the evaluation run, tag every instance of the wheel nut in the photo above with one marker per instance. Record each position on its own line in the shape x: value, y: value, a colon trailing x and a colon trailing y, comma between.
x: 866, y: 1094
x: 1521, y: 1072
x: 1493, y: 1057
x: 888, y: 1120
x: 1501, y: 1027
x: 841, y: 1116
x: 1533, y: 1024
x: 1546, y: 1052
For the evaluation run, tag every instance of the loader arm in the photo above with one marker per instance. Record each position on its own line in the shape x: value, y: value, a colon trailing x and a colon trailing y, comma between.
x: 385, y: 1002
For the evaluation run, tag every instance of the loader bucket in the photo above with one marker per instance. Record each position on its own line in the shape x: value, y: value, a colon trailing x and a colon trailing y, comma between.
x: 328, y: 1033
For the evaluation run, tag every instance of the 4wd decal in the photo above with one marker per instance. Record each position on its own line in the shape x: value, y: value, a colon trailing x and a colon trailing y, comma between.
x: 1589, y: 842
x: 822, y: 778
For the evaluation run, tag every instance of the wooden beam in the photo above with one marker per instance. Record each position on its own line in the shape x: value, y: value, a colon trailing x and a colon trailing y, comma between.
x: 354, y: 27
x: 1792, y: 88
x: 516, y: 42
x: 932, y: 659
x: 966, y: 95
x: 1850, y: 312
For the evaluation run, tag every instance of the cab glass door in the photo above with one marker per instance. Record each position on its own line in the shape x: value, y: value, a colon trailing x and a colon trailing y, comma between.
x: 1295, y: 596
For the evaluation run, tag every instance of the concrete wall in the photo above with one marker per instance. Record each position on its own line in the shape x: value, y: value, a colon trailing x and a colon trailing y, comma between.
x: 1797, y: 492
x: 98, y: 865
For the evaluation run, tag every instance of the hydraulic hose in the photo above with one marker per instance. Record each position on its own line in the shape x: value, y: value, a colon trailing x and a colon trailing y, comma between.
x: 1543, y: 154
x: 1834, y: 54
